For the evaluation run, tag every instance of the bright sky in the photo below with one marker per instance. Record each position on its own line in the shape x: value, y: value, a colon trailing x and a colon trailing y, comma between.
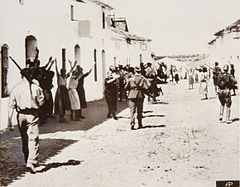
x: 177, y: 26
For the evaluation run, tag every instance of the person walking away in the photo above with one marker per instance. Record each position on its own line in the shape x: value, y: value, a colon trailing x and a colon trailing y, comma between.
x: 62, y: 101
x: 216, y: 71
x: 225, y: 82
x: 176, y: 76
x: 24, y: 102
x: 232, y: 72
x: 204, y: 83
x: 81, y: 90
x: 111, y: 94
x: 152, y: 77
x: 136, y: 86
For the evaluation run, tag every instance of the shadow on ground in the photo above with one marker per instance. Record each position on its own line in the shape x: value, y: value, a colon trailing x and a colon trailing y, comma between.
x: 12, y: 165
x: 58, y: 164
x: 154, y: 115
x: 235, y: 119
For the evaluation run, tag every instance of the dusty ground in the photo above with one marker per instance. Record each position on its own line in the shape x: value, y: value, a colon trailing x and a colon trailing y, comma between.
x: 182, y: 144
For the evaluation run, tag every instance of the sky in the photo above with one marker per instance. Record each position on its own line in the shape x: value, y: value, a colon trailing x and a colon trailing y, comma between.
x: 177, y: 26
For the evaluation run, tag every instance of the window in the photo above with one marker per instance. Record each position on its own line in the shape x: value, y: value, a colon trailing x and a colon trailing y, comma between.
x: 72, y: 13
x: 64, y: 58
x: 95, y: 65
x: 31, y: 48
x: 77, y: 53
x: 103, y: 19
x: 4, y: 64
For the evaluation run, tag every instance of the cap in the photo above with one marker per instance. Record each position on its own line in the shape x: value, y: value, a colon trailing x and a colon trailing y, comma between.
x: 225, y: 67
x: 137, y: 69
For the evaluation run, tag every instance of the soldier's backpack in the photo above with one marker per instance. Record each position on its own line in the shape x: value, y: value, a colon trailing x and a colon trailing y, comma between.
x: 225, y: 81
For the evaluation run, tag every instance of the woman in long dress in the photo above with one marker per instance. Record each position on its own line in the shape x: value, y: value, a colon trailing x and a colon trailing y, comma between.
x: 81, y: 90
x: 62, y: 101
x: 190, y: 73
x: 74, y: 97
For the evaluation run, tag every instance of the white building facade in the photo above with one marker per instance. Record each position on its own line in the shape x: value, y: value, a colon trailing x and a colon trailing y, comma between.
x: 225, y: 48
x: 70, y: 30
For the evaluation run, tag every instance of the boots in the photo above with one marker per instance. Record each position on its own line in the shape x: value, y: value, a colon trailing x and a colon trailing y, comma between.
x: 77, y: 117
x: 132, y: 126
x: 114, y: 116
x: 139, y: 123
x: 80, y: 114
x: 228, y: 112
x: 221, y: 112
x: 71, y: 115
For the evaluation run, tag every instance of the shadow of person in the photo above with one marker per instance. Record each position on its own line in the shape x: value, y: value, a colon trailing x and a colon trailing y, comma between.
x: 210, y: 98
x: 147, y: 111
x: 155, y: 115
x: 57, y: 165
x: 152, y: 126
x: 235, y: 119
x: 160, y: 102
x: 123, y: 117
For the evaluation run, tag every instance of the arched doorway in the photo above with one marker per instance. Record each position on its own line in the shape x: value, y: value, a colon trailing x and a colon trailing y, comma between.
x: 31, y: 48
x: 77, y: 53
x: 4, y: 69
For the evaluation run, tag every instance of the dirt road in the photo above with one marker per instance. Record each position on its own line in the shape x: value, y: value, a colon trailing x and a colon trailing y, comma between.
x: 182, y: 144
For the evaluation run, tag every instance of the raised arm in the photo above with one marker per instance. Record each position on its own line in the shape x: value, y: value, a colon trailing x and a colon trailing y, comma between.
x: 47, y: 64
x: 72, y: 68
x: 56, y: 67
x: 50, y: 65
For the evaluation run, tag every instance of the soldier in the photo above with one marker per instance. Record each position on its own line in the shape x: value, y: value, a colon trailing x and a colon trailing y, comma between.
x: 24, y: 102
x: 152, y: 77
x: 232, y: 72
x: 136, y: 86
x: 225, y: 82
x: 216, y: 71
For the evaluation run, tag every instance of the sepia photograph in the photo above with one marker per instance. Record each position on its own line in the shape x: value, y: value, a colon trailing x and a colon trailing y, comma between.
x: 119, y: 93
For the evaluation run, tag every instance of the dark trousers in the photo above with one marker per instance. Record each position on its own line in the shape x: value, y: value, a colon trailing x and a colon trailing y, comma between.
x: 224, y: 97
x: 136, y: 105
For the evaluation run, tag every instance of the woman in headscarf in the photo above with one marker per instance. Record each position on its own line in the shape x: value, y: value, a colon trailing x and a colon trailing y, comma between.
x: 111, y: 94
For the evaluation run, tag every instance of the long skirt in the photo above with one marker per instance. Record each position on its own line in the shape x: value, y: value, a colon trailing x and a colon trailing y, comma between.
x: 62, y: 101
x: 81, y: 93
x: 203, y: 88
x: 190, y: 80
x: 74, y: 99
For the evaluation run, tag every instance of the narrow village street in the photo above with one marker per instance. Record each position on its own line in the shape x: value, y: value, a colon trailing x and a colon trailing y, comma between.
x: 182, y: 144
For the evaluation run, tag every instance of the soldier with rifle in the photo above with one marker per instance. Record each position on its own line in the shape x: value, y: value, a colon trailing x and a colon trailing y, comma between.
x: 137, y: 85
x: 225, y: 82
x: 24, y: 102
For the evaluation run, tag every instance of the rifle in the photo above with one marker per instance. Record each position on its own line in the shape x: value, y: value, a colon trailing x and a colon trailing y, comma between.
x: 24, y: 73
